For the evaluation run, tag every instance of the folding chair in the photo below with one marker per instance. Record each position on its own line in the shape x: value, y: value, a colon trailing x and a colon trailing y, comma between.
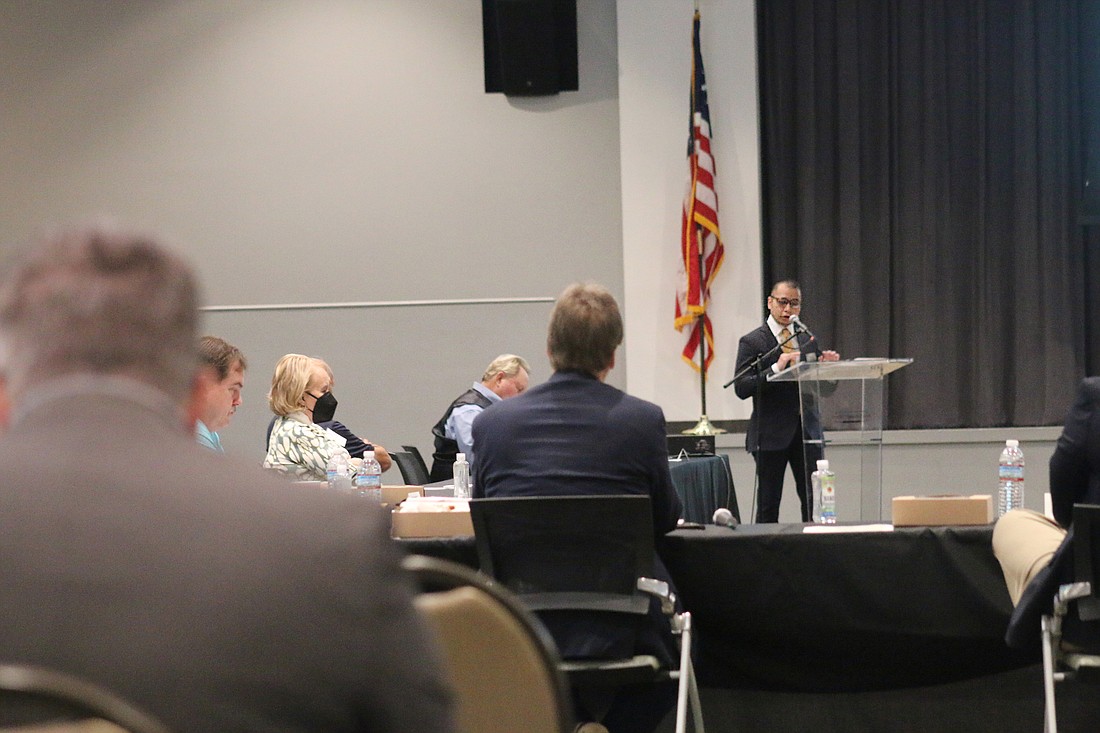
x: 1077, y: 601
x: 510, y: 682
x: 418, y: 457
x: 591, y: 554
x: 411, y: 472
x: 48, y: 701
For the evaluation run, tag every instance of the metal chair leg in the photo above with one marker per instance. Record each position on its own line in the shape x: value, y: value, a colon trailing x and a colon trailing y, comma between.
x: 688, y: 688
x: 1050, y: 721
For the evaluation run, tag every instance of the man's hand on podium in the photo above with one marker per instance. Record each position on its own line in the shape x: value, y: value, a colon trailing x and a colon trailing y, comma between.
x: 787, y: 359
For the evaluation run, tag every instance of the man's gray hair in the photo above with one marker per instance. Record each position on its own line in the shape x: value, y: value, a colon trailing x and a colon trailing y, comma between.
x: 96, y: 301
x: 506, y: 364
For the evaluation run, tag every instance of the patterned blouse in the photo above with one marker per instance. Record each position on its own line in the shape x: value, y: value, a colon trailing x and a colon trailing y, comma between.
x: 300, y: 448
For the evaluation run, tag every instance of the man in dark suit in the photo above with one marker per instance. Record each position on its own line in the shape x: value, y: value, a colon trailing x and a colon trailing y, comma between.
x: 574, y: 434
x: 212, y: 595
x: 776, y: 433
x: 1035, y: 551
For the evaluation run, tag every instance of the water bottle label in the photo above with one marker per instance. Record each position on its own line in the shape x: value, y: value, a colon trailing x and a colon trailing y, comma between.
x: 1012, y: 473
x: 828, y: 499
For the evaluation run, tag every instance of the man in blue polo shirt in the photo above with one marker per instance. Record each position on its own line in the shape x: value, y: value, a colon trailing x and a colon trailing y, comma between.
x: 506, y: 376
x: 223, y: 381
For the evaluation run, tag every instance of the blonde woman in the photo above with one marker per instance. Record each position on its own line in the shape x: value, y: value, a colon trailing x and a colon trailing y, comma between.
x: 297, y: 446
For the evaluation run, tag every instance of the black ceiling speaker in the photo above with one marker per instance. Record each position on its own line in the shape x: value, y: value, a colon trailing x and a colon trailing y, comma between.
x: 530, y: 46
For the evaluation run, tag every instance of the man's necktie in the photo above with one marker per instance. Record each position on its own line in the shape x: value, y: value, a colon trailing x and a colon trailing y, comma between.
x: 788, y: 346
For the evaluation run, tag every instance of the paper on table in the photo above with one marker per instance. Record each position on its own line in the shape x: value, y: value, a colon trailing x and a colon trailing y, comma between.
x: 435, y: 504
x: 842, y: 528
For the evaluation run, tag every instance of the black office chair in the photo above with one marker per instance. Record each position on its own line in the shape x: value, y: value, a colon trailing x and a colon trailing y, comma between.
x: 1078, y: 601
x: 419, y: 458
x: 590, y: 554
x: 510, y: 684
x: 38, y: 699
x: 412, y: 473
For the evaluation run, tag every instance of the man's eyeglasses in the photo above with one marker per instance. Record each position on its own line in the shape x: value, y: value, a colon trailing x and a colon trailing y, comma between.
x: 784, y: 302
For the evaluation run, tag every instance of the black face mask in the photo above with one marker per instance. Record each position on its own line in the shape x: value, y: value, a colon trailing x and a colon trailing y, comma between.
x: 324, y: 408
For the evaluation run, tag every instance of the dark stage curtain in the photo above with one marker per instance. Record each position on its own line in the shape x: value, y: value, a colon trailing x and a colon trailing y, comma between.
x: 922, y: 178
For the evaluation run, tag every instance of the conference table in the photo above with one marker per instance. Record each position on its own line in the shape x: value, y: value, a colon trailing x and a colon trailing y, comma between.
x: 852, y: 629
x: 848, y: 631
x: 776, y: 607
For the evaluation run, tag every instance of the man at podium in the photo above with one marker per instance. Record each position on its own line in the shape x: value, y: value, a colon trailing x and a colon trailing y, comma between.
x: 775, y: 435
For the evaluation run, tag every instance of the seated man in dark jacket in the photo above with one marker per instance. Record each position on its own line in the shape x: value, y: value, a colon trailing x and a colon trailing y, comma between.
x: 1034, y: 550
x: 506, y: 376
x: 574, y: 434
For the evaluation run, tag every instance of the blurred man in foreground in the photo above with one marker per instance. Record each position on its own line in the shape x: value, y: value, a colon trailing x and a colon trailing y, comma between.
x: 213, y: 596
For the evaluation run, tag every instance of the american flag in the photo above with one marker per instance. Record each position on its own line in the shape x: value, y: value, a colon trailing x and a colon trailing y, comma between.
x: 699, y: 227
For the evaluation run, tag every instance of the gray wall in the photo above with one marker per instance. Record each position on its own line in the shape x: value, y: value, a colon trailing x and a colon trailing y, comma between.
x: 333, y: 152
x: 323, y: 151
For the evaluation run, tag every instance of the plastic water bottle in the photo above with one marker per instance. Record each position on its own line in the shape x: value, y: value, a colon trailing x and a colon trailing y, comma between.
x: 1010, y: 491
x: 462, y: 477
x: 368, y: 479
x: 824, y: 486
x: 338, y: 473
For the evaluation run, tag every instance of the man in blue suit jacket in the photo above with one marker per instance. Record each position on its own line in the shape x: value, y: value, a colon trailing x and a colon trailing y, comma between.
x: 574, y: 434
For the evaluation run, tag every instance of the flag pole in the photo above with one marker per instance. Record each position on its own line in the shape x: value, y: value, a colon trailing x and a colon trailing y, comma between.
x: 703, y: 427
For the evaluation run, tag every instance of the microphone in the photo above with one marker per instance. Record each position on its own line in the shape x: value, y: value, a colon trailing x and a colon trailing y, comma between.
x: 798, y: 324
x: 724, y: 518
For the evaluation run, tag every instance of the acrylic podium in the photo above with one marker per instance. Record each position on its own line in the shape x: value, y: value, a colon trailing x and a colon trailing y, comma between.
x: 847, y: 397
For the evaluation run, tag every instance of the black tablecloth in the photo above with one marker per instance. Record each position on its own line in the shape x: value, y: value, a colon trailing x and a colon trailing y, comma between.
x: 704, y: 483
x: 775, y: 608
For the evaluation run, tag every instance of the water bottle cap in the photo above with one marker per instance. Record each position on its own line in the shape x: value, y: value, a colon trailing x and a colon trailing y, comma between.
x: 1012, y: 443
x: 368, y: 455
x: 823, y: 465
x: 460, y: 457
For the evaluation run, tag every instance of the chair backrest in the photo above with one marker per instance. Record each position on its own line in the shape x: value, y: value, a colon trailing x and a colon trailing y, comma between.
x: 411, y: 471
x: 1086, y: 557
x: 31, y: 693
x: 502, y: 662
x: 568, y: 552
x: 417, y: 455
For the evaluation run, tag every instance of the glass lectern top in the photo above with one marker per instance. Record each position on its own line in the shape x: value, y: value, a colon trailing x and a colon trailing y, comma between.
x: 865, y: 368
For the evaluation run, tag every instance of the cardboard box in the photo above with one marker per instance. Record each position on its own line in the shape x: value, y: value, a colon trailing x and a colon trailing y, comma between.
x: 945, y: 509
x: 454, y: 523
x: 398, y: 493
x: 390, y: 494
